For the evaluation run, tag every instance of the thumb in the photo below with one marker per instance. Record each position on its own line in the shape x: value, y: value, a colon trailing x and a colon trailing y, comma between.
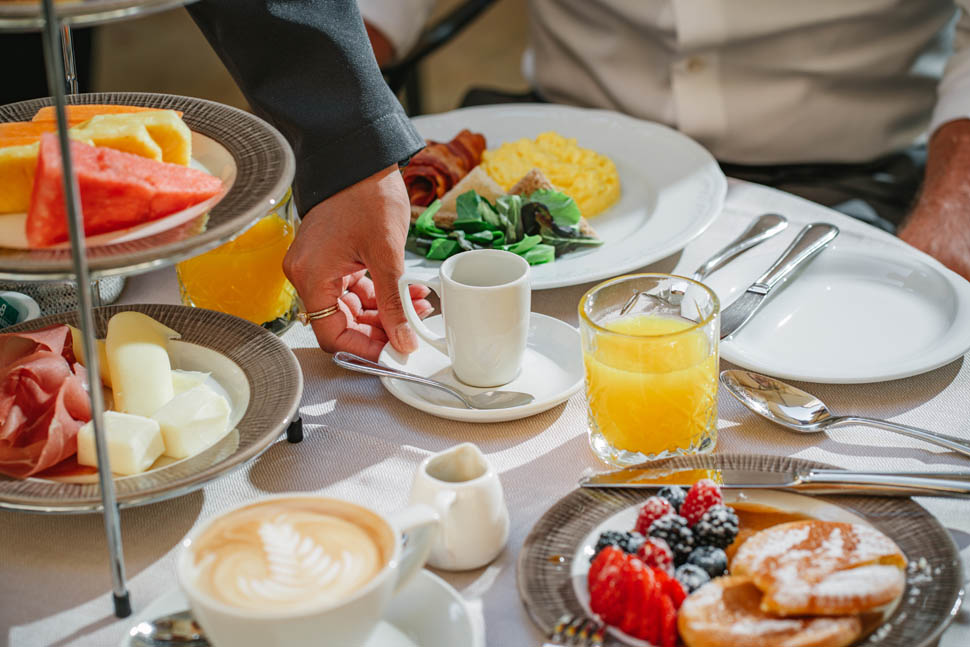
x: 391, y: 310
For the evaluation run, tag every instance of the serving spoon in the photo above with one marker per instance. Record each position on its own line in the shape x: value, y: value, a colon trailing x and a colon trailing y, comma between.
x: 484, y: 400
x: 799, y: 411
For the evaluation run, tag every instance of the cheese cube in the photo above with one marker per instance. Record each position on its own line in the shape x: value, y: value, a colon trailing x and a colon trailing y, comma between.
x: 192, y: 421
x: 141, y: 372
x: 134, y: 443
x: 182, y: 381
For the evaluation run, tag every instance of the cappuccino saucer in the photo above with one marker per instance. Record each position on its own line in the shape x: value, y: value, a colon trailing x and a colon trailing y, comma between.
x: 552, y: 371
x: 442, y: 619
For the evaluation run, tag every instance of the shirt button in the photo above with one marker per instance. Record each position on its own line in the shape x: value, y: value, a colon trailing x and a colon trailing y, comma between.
x: 695, y: 64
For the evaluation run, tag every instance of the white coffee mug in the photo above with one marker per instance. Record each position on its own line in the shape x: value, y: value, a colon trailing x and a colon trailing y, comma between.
x: 347, y: 622
x: 461, y: 485
x: 485, y: 301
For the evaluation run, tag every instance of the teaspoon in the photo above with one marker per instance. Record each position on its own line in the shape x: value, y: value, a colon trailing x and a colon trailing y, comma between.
x: 174, y: 630
x: 799, y: 411
x: 484, y: 400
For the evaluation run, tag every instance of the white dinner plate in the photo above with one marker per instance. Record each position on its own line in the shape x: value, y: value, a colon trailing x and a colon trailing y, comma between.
x: 671, y: 187
x: 552, y: 370
x: 427, y: 612
x: 857, y: 313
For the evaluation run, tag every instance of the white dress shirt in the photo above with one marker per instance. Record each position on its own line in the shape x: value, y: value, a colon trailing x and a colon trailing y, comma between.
x: 755, y: 81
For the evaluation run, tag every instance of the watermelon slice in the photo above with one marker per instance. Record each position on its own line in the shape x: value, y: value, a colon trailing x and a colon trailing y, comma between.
x: 118, y: 190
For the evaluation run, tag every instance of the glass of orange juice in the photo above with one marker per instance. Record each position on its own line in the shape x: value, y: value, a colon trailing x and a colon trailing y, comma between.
x: 244, y: 277
x: 650, y: 349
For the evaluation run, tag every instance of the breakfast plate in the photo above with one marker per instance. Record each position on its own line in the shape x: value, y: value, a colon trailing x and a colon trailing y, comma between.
x: 251, y: 367
x: 857, y: 313
x: 671, y: 187
x: 555, y: 557
x: 251, y: 157
x: 442, y: 618
x: 552, y: 371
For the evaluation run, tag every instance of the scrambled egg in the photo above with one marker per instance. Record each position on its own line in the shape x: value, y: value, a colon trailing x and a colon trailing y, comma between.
x: 586, y: 176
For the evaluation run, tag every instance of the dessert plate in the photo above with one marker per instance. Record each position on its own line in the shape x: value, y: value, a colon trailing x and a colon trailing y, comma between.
x: 255, y: 161
x: 258, y: 372
x: 552, y: 370
x: 442, y: 618
x: 672, y: 189
x: 857, y: 313
x: 555, y: 557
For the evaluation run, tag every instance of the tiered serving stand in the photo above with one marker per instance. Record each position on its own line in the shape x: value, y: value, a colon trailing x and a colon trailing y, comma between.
x: 259, y: 175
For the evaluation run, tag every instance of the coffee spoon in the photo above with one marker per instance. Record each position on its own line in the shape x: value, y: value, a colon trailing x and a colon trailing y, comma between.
x: 484, y: 400
x: 178, y: 629
x: 799, y: 411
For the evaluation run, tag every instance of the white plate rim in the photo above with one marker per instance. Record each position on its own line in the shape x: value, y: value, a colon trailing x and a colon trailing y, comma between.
x: 622, y: 256
x: 388, y: 356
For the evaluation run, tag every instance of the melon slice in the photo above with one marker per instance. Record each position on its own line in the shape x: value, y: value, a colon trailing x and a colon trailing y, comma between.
x: 80, y: 113
x: 156, y: 134
x: 118, y: 190
x: 19, y: 133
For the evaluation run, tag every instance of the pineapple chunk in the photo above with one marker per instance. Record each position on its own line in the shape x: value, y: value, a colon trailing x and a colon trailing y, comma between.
x: 141, y: 372
x: 109, y: 131
x: 157, y: 134
x: 192, y: 421
x: 134, y: 443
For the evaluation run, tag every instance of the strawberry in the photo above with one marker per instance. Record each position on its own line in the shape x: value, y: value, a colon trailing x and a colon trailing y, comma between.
x: 652, y: 509
x: 632, y: 575
x: 649, y: 627
x: 656, y: 553
x: 674, y: 590
x: 704, y: 494
x: 668, y: 623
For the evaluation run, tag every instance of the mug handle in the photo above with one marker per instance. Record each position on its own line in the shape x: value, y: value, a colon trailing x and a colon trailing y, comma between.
x: 421, y: 524
x: 422, y: 330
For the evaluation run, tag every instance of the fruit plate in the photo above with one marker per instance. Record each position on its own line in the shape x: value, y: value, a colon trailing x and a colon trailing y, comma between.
x: 251, y: 366
x: 25, y: 15
x: 555, y: 557
x: 251, y: 157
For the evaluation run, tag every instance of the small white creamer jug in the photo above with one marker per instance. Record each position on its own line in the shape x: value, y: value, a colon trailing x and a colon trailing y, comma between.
x: 466, y: 492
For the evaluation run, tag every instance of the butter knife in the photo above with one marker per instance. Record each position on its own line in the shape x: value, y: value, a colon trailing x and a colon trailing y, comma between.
x: 816, y: 481
x: 811, y: 240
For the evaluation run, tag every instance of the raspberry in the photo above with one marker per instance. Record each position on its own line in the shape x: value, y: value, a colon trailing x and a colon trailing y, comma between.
x: 692, y: 577
x: 673, y: 529
x: 653, y: 509
x: 717, y: 527
x: 656, y: 553
x: 674, y: 494
x: 704, y: 494
x: 710, y: 558
x: 628, y: 542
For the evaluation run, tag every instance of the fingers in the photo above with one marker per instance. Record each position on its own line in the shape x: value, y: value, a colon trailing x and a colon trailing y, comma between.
x: 391, y: 310
x: 364, y: 289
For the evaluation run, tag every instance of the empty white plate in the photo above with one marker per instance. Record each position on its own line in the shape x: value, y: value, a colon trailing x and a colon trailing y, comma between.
x: 552, y: 370
x: 856, y: 314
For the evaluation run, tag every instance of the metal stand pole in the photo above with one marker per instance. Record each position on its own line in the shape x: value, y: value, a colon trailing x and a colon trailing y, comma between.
x: 67, y: 53
x: 55, y: 80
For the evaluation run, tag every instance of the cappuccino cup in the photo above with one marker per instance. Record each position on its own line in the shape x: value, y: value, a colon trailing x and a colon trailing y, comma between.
x: 485, y: 301
x: 300, y: 569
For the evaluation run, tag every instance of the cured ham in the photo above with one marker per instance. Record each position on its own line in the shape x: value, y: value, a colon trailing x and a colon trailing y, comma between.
x: 43, y: 400
x: 439, y: 166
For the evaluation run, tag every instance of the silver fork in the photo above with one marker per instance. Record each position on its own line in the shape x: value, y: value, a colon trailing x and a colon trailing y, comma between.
x: 576, y: 631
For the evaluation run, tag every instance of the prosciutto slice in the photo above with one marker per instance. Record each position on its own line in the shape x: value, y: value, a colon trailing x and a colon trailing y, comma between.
x: 439, y: 166
x: 43, y: 400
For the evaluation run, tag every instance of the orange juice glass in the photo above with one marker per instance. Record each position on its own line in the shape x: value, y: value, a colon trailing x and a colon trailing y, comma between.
x: 650, y: 346
x: 244, y: 277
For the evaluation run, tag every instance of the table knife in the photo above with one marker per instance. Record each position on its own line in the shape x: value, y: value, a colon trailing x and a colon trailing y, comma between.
x: 816, y: 481
x: 811, y: 240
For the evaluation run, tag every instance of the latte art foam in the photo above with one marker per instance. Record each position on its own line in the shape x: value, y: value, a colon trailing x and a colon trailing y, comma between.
x: 286, y: 554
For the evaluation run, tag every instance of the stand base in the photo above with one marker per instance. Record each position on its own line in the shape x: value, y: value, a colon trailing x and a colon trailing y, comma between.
x: 294, y: 433
x: 122, y: 605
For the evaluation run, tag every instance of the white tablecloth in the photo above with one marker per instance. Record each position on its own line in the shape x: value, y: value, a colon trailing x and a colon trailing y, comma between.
x: 363, y: 444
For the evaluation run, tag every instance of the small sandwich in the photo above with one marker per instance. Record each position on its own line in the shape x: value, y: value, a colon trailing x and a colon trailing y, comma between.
x: 478, y: 181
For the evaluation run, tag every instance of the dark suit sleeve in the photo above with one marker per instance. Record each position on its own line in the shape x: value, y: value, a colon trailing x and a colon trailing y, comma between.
x: 306, y: 66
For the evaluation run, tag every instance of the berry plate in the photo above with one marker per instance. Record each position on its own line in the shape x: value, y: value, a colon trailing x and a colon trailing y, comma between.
x: 554, y: 561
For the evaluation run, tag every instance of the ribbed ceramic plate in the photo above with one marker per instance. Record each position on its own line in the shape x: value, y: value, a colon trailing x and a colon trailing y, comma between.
x: 275, y: 386
x: 548, y: 564
x: 26, y: 15
x: 264, y: 168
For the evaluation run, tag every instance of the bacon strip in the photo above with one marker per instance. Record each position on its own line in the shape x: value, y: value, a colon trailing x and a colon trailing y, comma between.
x: 439, y: 166
x: 43, y: 400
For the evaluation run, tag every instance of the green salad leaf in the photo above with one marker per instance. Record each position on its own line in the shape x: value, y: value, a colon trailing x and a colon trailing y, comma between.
x: 562, y: 208
x: 425, y: 226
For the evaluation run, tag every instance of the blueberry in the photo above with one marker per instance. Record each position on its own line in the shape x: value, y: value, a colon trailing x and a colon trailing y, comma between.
x: 710, y: 558
x: 691, y: 576
x: 628, y: 542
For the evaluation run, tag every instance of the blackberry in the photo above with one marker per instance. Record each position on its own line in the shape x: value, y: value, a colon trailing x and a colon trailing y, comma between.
x: 674, y: 494
x: 710, y: 558
x: 674, y: 530
x: 628, y: 542
x: 718, y: 527
x: 692, y: 577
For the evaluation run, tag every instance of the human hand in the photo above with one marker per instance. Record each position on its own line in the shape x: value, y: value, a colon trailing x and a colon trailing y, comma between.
x: 940, y: 223
x: 359, y: 230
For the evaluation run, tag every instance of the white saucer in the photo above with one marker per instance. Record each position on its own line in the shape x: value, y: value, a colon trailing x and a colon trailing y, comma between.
x: 552, y: 370
x: 858, y: 313
x: 427, y: 612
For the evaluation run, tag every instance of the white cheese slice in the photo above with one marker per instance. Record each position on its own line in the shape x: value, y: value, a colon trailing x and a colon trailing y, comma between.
x: 141, y: 373
x: 134, y: 443
x: 182, y: 381
x: 192, y: 421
